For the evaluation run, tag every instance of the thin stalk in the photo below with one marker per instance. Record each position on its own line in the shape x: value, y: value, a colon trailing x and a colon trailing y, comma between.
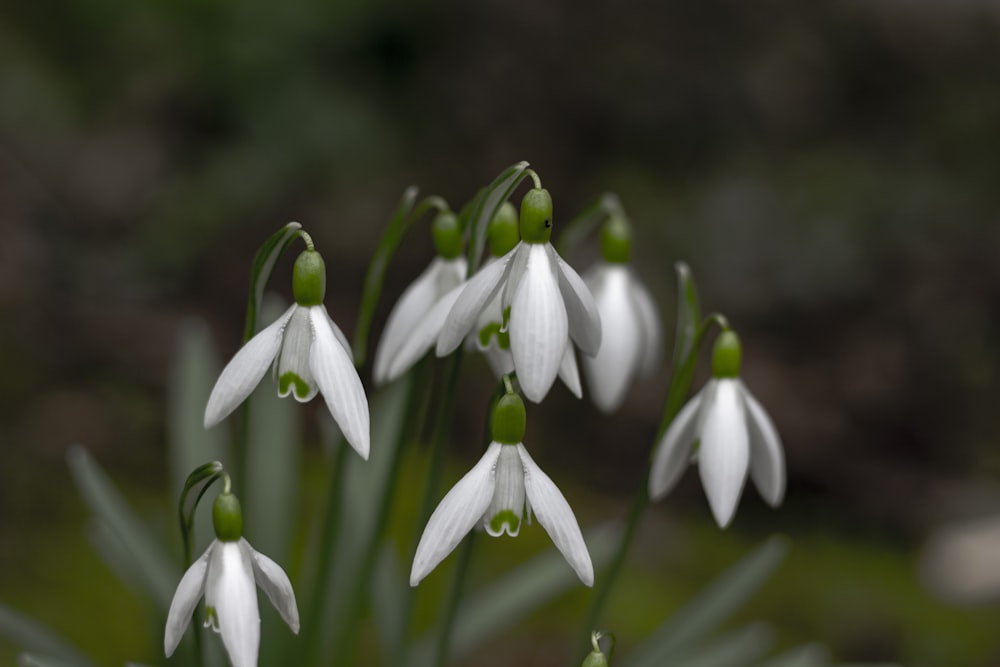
x: 442, y: 426
x: 454, y: 598
x: 312, y: 634
x: 347, y: 641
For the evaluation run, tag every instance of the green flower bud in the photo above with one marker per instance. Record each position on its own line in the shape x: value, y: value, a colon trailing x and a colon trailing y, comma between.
x: 536, y: 216
x: 595, y: 659
x: 502, y: 231
x: 726, y: 356
x: 309, y: 279
x: 227, y: 517
x: 616, y: 240
x: 447, y: 235
x: 508, y: 420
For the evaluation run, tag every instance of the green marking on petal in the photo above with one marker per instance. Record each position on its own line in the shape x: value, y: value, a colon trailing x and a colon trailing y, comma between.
x: 288, y: 378
x: 494, y: 329
x: 211, y: 619
x: 505, y: 517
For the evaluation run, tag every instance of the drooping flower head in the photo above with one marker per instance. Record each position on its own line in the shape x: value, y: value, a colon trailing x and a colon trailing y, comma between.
x: 413, y: 325
x: 733, y: 433
x: 227, y: 575
x: 498, y: 493
x: 631, y: 336
x: 549, y: 304
x: 309, y: 353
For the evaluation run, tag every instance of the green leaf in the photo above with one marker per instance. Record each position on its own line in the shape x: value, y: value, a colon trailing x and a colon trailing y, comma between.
x: 260, y: 271
x: 685, y: 346
x: 389, y: 583
x: 391, y: 239
x: 29, y: 634
x: 583, y: 225
x: 736, y: 649
x: 158, y: 575
x: 706, y: 612
x: 31, y: 660
x: 809, y: 655
x: 485, y: 207
x: 489, y: 611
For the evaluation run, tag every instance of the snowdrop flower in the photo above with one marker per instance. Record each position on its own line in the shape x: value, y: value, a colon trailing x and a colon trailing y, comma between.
x: 414, y: 313
x: 631, y: 337
x: 504, y: 487
x: 735, y: 434
x: 490, y: 335
x: 549, y: 303
x: 310, y: 354
x: 226, y: 575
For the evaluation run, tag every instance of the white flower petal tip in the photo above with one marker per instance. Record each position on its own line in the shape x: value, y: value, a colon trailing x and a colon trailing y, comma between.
x: 225, y: 575
x: 244, y: 371
x: 437, y: 280
x: 630, y: 338
x: 736, y: 438
x: 461, y: 509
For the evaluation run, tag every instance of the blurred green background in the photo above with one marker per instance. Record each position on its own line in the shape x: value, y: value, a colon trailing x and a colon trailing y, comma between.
x: 829, y: 171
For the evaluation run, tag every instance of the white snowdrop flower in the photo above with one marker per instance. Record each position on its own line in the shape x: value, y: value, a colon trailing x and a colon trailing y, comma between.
x: 548, y: 301
x: 490, y: 336
x: 310, y: 354
x: 631, y: 337
x: 227, y: 575
x: 414, y: 319
x: 735, y: 436
x: 503, y: 488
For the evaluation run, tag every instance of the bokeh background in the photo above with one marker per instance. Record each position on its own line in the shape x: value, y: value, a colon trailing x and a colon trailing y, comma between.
x: 828, y: 170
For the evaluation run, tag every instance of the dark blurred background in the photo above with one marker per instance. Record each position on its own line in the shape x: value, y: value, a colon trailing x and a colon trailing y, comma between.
x: 829, y: 171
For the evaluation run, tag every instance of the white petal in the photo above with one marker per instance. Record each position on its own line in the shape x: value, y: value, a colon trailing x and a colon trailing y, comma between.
x: 501, y: 362
x: 230, y: 591
x: 518, y: 265
x: 337, y: 378
x: 612, y: 369
x: 538, y: 326
x: 584, y: 320
x: 652, y: 330
x: 569, y: 373
x: 767, y: 458
x: 292, y: 370
x: 462, y: 507
x: 275, y: 584
x: 673, y: 453
x: 243, y: 373
x: 186, y: 597
x: 478, y: 292
x: 439, y: 277
x: 422, y: 336
x: 507, y: 506
x: 725, y: 448
x: 556, y: 517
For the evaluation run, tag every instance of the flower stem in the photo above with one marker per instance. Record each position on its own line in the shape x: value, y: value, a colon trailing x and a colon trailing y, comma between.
x: 436, y: 468
x: 454, y: 598
x: 312, y: 634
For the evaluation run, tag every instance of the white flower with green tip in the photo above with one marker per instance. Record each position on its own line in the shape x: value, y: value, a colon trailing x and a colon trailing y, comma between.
x: 735, y: 437
x: 310, y: 355
x: 550, y: 306
x: 227, y: 575
x: 502, y: 489
x: 414, y: 323
x: 631, y: 337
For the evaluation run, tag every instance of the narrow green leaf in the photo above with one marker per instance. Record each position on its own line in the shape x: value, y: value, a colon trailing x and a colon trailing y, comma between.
x: 387, y: 597
x: 489, y: 611
x: 736, y: 649
x: 31, y: 635
x: 685, y: 347
x: 31, y: 660
x: 706, y: 612
x: 159, y: 575
x: 583, y: 225
x: 485, y: 207
x: 260, y: 271
x: 809, y: 655
x: 391, y: 239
